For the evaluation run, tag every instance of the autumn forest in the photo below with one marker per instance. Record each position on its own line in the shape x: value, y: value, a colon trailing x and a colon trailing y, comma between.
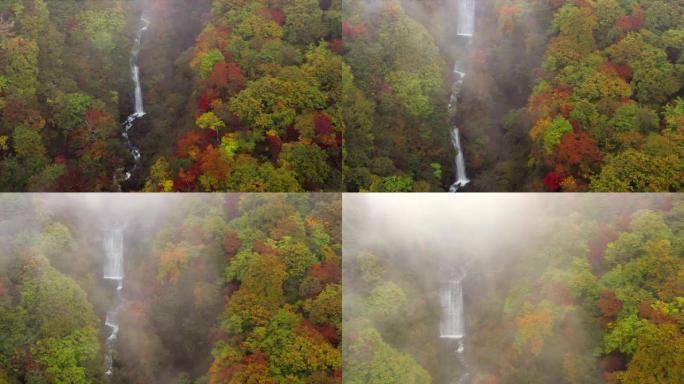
x: 331, y: 95
x: 223, y: 288
x: 196, y: 191
x: 513, y: 288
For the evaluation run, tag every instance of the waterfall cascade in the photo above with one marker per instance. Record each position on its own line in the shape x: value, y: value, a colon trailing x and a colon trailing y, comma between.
x: 461, y: 178
x: 452, y: 324
x: 113, y: 270
x: 113, y: 267
x: 139, y: 110
x: 466, y: 18
x: 465, y: 27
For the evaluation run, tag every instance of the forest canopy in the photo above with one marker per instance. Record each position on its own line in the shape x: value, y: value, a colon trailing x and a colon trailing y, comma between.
x: 224, y: 288
x: 565, y: 289
x: 326, y: 95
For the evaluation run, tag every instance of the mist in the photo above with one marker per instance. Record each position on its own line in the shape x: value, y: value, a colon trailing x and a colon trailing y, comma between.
x: 506, y: 262
x: 138, y: 288
x: 71, y: 231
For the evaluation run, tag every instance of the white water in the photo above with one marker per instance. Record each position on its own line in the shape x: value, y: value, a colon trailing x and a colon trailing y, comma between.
x: 111, y: 323
x: 113, y: 267
x: 461, y: 178
x: 139, y: 110
x: 465, y: 27
x: 452, y: 324
x: 113, y: 270
x: 466, y: 18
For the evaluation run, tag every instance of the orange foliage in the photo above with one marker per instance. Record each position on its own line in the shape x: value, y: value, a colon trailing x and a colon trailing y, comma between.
x: 598, y: 245
x: 225, y: 75
x: 186, y: 178
x: 213, y: 164
x: 170, y: 264
x: 353, y: 31
x: 646, y: 311
x: 276, y: 15
x: 188, y: 144
x: 326, y: 272
x: 579, y: 151
x: 633, y: 22
x: 609, y: 304
x: 531, y: 329
x: 231, y: 242
x: 507, y: 18
x: 260, y: 247
x: 551, y: 103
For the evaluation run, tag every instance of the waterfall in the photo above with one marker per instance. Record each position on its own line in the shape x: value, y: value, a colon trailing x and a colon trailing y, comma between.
x: 451, y: 295
x: 461, y: 178
x: 113, y: 270
x: 113, y: 267
x: 111, y: 323
x: 139, y: 110
x: 466, y: 18
x: 452, y: 324
x: 465, y: 27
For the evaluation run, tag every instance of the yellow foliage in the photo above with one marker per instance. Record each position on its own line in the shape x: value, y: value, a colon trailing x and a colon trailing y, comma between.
x: 569, y: 184
x: 531, y: 329
x: 539, y: 128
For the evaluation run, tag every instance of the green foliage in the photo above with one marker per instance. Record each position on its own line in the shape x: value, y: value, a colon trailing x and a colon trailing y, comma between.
x: 386, y: 300
x: 371, y: 360
x: 64, y: 360
x: 392, y: 184
x: 658, y: 357
x: 209, y: 61
x: 625, y: 335
x: 51, y: 319
x: 304, y: 22
x: 69, y: 111
x: 281, y: 332
x: 553, y: 135
x: 414, y: 90
x: 307, y: 162
x: 103, y: 26
x: 273, y: 103
x: 20, y: 73
x: 634, y: 171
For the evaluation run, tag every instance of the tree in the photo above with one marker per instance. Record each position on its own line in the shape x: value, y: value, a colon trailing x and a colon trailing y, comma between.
x: 20, y: 73
x: 159, y: 179
x: 69, y: 111
x: 653, y: 75
x: 260, y: 294
x: 658, y: 357
x: 386, y: 300
x: 209, y: 120
x: 303, y: 22
x: 372, y: 361
x: 632, y: 171
x: 308, y: 163
x: 555, y: 132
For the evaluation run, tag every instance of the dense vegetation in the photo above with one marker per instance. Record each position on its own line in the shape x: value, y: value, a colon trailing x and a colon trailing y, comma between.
x: 240, y: 96
x: 607, y: 107
x: 221, y: 289
x: 592, y: 293
x: 62, y: 65
x: 571, y: 95
x: 308, y: 95
x: 266, y: 84
x: 397, y: 129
